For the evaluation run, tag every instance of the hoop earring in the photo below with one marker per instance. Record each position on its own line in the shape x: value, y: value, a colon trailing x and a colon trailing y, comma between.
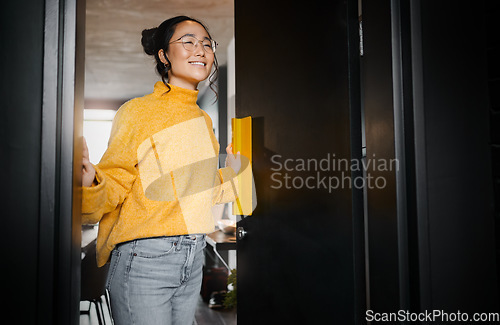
x: 167, y: 66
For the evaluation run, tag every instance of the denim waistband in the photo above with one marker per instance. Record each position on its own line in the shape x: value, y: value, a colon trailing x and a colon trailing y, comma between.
x: 178, y: 238
x: 198, y: 237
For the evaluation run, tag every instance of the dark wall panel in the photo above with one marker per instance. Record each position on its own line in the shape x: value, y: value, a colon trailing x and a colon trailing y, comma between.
x: 21, y: 56
x: 460, y: 206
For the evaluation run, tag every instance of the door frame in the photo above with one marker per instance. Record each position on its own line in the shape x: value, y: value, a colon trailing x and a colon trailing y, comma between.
x: 60, y: 176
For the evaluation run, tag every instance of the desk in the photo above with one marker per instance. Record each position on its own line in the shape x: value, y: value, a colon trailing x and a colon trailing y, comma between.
x: 89, y: 236
x: 221, y: 241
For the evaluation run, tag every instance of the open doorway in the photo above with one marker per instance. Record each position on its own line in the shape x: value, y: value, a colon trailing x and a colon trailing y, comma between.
x: 117, y: 70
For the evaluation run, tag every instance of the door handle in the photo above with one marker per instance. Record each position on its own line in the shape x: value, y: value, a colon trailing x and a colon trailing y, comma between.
x: 241, y: 233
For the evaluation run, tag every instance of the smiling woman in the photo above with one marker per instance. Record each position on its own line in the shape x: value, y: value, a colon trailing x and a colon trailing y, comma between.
x: 153, y: 190
x: 185, y: 65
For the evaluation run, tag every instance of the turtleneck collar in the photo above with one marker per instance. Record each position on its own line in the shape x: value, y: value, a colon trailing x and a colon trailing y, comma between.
x: 183, y: 95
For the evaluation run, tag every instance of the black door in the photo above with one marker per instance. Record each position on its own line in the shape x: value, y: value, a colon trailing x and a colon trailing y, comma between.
x: 429, y: 223
x: 296, y: 265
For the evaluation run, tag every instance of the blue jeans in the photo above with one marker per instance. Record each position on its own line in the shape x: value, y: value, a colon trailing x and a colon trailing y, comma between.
x: 156, y: 281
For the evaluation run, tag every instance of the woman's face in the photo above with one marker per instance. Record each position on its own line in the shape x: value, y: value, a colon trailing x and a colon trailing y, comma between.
x: 188, y: 68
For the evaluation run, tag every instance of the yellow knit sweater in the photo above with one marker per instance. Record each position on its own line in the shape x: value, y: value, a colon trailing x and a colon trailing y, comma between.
x: 159, y: 175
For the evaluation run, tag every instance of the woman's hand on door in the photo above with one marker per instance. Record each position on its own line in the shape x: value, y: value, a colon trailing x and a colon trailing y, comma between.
x: 88, y: 170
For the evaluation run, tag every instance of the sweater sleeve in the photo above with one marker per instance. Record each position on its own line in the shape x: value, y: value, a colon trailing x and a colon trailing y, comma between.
x: 115, y: 173
x: 226, y: 185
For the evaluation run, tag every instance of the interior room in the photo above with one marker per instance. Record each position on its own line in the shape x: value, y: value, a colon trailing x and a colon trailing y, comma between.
x: 117, y: 70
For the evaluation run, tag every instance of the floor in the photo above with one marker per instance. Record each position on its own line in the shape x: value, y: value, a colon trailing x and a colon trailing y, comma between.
x: 92, y: 318
x: 208, y: 316
x: 204, y: 315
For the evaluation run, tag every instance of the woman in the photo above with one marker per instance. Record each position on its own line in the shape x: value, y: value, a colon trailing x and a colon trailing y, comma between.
x: 153, y: 190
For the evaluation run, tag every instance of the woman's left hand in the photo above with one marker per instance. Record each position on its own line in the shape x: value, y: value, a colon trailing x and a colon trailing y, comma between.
x: 233, y: 161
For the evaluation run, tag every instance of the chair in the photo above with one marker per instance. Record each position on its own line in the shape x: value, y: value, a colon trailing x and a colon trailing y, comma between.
x: 93, y: 282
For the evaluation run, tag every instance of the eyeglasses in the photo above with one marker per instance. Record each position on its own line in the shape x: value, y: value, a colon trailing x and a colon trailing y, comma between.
x: 190, y: 43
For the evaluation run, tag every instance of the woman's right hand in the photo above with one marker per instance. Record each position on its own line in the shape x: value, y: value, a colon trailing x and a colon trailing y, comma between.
x: 88, y: 170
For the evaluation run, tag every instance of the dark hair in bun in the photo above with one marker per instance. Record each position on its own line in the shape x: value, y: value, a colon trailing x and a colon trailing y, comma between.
x: 158, y: 38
